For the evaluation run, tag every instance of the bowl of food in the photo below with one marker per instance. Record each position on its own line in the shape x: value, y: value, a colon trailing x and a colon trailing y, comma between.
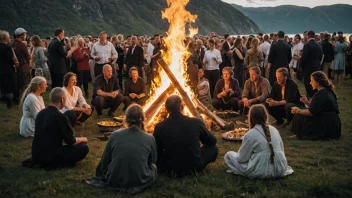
x: 235, y: 135
x: 119, y: 118
x: 108, y: 126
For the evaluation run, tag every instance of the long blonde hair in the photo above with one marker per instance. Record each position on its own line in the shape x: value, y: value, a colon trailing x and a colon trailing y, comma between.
x: 32, y: 87
x: 258, y: 115
x: 254, y: 46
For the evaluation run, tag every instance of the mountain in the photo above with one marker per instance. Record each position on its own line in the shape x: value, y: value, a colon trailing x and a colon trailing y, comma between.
x: 294, y: 19
x: 85, y: 17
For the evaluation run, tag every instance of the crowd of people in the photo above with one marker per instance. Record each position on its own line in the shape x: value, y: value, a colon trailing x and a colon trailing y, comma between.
x: 255, y: 75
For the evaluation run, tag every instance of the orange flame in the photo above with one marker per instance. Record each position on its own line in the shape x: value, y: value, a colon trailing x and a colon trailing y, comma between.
x: 176, y: 56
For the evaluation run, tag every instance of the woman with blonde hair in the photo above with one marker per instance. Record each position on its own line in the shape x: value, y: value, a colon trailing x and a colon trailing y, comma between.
x: 128, y: 161
x: 32, y: 103
x: 261, y: 154
x: 254, y: 56
x: 39, y: 59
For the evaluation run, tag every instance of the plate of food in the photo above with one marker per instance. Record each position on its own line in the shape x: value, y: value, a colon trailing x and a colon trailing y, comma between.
x: 108, y: 126
x: 235, y: 135
x: 119, y: 118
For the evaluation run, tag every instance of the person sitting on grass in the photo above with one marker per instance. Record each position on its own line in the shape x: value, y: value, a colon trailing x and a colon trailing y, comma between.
x: 203, y: 88
x: 321, y: 120
x: 76, y: 108
x: 51, y: 129
x: 128, y: 161
x: 256, y: 90
x: 227, y: 92
x: 32, y: 103
x: 135, y: 89
x: 106, y: 92
x: 284, y: 95
x: 178, y: 138
x: 261, y: 154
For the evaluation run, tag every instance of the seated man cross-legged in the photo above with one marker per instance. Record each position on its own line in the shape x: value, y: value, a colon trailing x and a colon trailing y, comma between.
x: 106, y: 92
x: 178, y: 141
x: 51, y: 129
x: 283, y: 96
x: 256, y: 90
x: 135, y: 89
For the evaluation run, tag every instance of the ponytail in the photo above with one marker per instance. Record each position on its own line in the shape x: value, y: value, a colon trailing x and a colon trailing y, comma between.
x: 268, y: 138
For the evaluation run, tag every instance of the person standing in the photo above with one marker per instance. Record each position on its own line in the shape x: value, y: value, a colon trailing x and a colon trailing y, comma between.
x: 8, y: 64
x: 310, y: 61
x: 57, y: 58
x: 103, y: 52
x: 82, y: 56
x: 295, y: 55
x: 135, y: 56
x: 238, y: 56
x: 340, y: 62
x: 211, y: 61
x: 279, y: 56
x: 328, y: 51
x: 265, y: 48
x: 23, y: 57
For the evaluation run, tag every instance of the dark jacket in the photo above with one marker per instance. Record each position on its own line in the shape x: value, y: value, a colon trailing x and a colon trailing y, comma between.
x: 135, y: 59
x: 6, y: 59
x: 328, y: 50
x: 291, y: 95
x: 57, y: 56
x: 280, y: 56
x: 311, y: 57
x: 177, y: 139
x: 220, y: 85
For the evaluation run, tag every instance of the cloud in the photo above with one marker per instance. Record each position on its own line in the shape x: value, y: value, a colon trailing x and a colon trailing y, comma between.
x: 259, y: 1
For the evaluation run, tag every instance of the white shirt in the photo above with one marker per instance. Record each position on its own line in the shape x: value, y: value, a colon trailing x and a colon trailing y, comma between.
x: 32, y: 105
x: 71, y: 101
x: 209, y: 56
x: 150, y: 50
x: 295, y: 51
x: 265, y: 48
x: 104, y: 52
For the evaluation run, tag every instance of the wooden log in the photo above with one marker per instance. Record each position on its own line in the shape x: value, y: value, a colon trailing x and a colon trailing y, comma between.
x: 220, y: 122
x: 152, y: 110
x: 178, y: 86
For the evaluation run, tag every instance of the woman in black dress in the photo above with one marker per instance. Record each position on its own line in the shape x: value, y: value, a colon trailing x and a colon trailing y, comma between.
x: 238, y: 56
x: 321, y: 119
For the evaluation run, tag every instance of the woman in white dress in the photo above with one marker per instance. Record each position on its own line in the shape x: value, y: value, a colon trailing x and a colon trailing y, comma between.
x: 32, y: 103
x: 261, y: 154
x: 76, y: 108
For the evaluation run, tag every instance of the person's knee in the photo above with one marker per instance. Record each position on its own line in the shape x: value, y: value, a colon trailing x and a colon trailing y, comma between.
x: 99, y: 101
x: 119, y: 98
x: 83, y: 150
x: 216, y: 103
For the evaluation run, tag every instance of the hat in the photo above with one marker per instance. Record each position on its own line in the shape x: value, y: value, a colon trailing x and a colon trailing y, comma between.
x: 20, y: 31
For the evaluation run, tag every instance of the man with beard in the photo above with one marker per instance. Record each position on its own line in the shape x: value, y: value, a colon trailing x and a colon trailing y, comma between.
x: 283, y: 96
x: 255, y: 91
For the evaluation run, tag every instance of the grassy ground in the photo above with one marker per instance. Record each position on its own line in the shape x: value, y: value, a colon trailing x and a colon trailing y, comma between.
x: 322, y: 169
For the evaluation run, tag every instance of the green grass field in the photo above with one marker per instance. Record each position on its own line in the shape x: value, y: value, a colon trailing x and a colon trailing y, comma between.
x: 322, y: 168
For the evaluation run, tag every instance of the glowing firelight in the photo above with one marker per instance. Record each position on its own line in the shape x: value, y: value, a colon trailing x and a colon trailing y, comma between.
x: 176, y: 55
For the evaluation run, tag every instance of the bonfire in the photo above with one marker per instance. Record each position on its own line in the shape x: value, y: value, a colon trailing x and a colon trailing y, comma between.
x: 173, y: 77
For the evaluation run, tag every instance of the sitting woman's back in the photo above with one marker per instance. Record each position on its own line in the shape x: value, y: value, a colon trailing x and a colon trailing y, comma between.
x: 261, y: 154
x: 128, y: 162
